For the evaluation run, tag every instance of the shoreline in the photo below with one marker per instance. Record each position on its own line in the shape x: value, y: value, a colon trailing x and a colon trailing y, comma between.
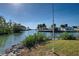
x: 43, y: 49
x: 55, y: 31
x: 13, y: 51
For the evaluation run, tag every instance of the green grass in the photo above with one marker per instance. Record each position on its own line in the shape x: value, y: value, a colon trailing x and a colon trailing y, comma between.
x: 68, y: 46
x: 55, y: 47
x: 65, y: 47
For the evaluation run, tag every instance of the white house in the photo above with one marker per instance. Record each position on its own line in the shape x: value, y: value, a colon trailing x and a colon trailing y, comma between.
x: 66, y: 29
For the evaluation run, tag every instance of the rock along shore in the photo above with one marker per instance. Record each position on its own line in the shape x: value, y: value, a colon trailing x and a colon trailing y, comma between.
x: 13, y: 51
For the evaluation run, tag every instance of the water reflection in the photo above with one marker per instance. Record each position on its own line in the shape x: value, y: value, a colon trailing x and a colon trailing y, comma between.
x: 3, y: 39
x: 6, y: 41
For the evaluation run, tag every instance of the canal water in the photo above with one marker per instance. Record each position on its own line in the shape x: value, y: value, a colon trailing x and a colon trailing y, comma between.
x: 6, y: 41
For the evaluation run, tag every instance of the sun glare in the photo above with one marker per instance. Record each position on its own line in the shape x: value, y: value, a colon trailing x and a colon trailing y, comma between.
x: 16, y: 4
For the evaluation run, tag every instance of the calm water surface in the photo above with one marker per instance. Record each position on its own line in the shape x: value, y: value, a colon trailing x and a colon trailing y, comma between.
x: 6, y: 41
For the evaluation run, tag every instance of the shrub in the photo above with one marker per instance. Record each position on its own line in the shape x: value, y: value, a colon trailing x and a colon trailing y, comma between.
x: 67, y: 36
x: 29, y: 41
x: 40, y: 37
x: 34, y: 39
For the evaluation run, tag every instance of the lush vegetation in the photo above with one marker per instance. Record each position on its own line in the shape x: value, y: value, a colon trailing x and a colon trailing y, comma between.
x: 18, y: 28
x: 34, y: 39
x: 64, y: 25
x: 45, y: 49
x: 67, y: 36
x: 9, y: 27
x: 55, y: 47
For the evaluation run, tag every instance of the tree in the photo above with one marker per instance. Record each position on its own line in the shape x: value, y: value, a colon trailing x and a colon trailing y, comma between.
x: 9, y: 27
x: 44, y: 26
x: 74, y: 26
x: 64, y: 25
x: 2, y: 24
x: 18, y: 28
x: 41, y: 27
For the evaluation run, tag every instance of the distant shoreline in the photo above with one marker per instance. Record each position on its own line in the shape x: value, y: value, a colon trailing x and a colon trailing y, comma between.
x: 55, y: 31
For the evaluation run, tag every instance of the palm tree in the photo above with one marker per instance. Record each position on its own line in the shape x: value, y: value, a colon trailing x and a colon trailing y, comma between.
x: 41, y: 27
x: 53, y: 25
x: 44, y: 26
x: 64, y: 25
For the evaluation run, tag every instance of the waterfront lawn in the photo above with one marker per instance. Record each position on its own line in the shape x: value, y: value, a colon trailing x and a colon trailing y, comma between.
x: 66, y: 47
x: 55, y: 47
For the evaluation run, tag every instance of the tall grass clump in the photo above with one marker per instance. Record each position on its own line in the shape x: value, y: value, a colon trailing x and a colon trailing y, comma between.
x: 34, y: 39
x: 40, y: 37
x: 67, y: 36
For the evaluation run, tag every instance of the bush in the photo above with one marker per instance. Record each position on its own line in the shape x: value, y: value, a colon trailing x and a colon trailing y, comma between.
x: 67, y: 36
x: 29, y: 41
x: 40, y: 37
x: 32, y: 40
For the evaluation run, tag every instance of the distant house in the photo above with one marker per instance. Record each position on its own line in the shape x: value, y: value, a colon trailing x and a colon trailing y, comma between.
x: 76, y: 28
x: 65, y: 27
x: 53, y: 27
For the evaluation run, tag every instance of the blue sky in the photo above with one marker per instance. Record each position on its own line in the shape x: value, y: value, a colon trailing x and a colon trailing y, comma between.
x: 27, y: 14
x: 33, y: 14
x: 66, y: 13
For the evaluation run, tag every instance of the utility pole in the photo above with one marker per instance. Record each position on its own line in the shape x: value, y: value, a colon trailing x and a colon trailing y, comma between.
x: 53, y: 32
x: 53, y: 24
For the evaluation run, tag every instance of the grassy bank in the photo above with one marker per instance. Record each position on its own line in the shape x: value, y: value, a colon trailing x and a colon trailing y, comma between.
x: 61, y: 47
x: 43, y: 49
x: 66, y: 47
x: 40, y: 45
